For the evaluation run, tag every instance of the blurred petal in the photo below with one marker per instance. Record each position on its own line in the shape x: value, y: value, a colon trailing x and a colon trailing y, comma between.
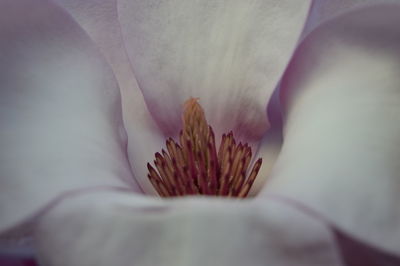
x: 269, y: 149
x: 230, y: 54
x: 357, y: 253
x: 323, y: 10
x: 99, y: 19
x: 341, y: 99
x: 117, y: 229
x: 271, y: 143
x: 60, y: 111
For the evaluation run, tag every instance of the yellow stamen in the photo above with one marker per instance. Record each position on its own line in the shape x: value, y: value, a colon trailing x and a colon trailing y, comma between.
x: 194, y: 167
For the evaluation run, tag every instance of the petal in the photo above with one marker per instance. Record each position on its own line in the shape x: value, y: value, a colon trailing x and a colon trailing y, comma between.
x: 270, y: 147
x: 323, y: 10
x: 230, y: 54
x: 341, y: 100
x: 356, y: 253
x: 99, y: 19
x: 60, y: 111
x: 118, y: 230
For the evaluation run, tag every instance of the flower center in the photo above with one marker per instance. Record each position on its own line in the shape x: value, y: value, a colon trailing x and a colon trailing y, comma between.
x: 194, y: 167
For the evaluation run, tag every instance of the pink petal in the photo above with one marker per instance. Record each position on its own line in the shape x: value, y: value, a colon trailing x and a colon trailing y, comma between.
x: 341, y: 100
x: 230, y: 54
x: 270, y: 145
x: 357, y: 253
x: 117, y: 229
x: 323, y: 10
x: 327, y: 9
x: 99, y: 19
x: 269, y: 149
x: 60, y: 111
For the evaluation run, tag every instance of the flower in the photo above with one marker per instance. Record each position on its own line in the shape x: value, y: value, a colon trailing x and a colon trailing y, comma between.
x: 62, y: 124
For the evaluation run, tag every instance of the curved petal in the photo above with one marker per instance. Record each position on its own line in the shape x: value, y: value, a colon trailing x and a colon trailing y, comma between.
x: 117, y: 229
x: 269, y: 149
x: 323, y: 10
x: 357, y: 253
x: 230, y: 54
x: 341, y: 98
x: 99, y: 19
x: 60, y: 111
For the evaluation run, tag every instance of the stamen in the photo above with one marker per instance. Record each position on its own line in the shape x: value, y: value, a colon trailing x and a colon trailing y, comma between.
x: 194, y: 167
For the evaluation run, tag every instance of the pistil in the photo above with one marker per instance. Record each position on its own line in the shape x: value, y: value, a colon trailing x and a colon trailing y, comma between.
x: 194, y: 167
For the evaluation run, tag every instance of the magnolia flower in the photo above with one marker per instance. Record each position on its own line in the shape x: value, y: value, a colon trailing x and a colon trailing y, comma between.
x: 74, y: 155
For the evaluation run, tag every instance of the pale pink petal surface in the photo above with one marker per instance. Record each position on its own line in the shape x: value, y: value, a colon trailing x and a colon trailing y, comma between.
x: 99, y: 18
x: 323, y: 10
x: 230, y: 54
x: 60, y: 116
x: 320, y: 11
x: 269, y: 149
x: 341, y: 101
x: 117, y: 229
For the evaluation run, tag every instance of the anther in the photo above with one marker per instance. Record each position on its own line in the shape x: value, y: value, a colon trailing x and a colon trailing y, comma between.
x: 194, y: 167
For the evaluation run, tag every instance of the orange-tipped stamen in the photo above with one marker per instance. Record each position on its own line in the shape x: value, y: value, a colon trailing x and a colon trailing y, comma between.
x: 194, y: 167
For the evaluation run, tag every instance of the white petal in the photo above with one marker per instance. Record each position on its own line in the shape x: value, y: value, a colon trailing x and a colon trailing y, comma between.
x: 120, y: 230
x: 230, y: 54
x: 99, y: 18
x: 270, y: 147
x: 323, y: 10
x: 341, y: 97
x: 60, y: 112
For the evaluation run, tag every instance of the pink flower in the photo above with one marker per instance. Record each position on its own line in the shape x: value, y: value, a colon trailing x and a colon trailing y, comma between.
x: 73, y: 161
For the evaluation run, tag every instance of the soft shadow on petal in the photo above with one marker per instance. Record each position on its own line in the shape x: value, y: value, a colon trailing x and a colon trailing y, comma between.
x: 270, y: 145
x: 230, y: 54
x: 60, y: 111
x: 269, y: 149
x: 99, y: 19
x: 341, y: 99
x: 323, y: 10
x: 117, y: 229
x: 358, y: 253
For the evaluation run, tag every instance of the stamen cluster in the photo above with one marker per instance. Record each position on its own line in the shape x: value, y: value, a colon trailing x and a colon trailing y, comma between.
x: 194, y: 167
